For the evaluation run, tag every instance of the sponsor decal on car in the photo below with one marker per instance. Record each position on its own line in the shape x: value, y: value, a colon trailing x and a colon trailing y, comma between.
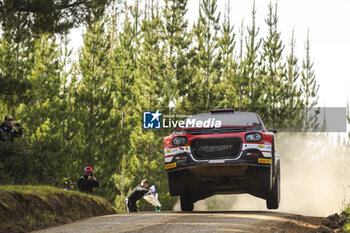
x: 267, y: 161
x: 216, y: 161
x: 170, y: 165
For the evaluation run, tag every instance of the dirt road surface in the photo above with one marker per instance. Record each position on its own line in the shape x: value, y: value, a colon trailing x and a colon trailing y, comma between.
x: 221, y: 221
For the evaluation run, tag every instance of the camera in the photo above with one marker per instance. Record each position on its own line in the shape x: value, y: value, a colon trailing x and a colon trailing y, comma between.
x: 18, y: 124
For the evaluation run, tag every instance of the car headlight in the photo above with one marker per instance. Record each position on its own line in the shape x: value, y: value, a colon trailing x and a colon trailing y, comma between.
x: 180, y: 141
x: 253, y: 137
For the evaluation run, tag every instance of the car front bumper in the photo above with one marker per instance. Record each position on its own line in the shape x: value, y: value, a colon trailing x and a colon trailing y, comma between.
x: 185, y: 160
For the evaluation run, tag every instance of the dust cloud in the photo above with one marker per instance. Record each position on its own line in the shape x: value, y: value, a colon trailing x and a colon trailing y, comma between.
x: 315, y: 177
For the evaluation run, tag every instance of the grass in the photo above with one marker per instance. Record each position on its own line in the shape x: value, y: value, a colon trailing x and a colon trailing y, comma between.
x: 347, y: 223
x: 27, y: 208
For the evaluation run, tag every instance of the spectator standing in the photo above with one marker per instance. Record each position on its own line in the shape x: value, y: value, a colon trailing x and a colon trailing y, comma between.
x: 7, y: 129
x: 88, y: 181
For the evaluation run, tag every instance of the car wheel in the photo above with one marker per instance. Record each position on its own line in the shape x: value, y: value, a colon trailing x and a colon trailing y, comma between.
x: 174, y: 180
x: 186, y: 202
x: 273, y: 198
x: 265, y: 180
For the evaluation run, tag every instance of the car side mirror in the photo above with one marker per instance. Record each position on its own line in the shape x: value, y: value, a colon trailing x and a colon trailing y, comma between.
x: 273, y: 130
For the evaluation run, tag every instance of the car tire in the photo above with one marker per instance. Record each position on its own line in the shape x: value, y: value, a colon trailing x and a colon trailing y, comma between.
x: 273, y: 198
x: 175, y: 182
x: 186, y: 202
x: 264, y: 180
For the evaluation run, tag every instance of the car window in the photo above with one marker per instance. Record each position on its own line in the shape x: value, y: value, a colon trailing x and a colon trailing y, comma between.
x: 228, y: 119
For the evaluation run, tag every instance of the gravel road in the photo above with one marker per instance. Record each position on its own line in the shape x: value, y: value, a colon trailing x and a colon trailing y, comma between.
x: 221, y: 221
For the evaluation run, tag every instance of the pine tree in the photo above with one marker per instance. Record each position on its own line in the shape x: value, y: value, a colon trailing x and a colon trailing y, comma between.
x: 125, y: 97
x: 292, y: 103
x: 15, y: 65
x: 229, y: 75
x: 33, y: 17
x: 93, y: 95
x: 176, y: 42
x: 67, y: 113
x: 309, y: 88
x: 45, y: 81
x: 273, y: 67
x: 38, y: 114
x: 308, y: 80
x: 241, y: 82
x: 203, y: 90
x: 251, y: 64
x: 145, y: 153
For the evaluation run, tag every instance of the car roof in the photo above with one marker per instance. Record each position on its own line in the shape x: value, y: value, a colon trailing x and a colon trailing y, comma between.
x: 225, y: 113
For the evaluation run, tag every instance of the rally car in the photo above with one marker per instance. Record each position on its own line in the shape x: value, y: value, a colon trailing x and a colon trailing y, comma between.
x: 222, y: 152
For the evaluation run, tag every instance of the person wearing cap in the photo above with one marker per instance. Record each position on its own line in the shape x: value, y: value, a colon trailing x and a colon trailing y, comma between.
x: 88, y: 181
x: 135, y: 195
x: 7, y: 131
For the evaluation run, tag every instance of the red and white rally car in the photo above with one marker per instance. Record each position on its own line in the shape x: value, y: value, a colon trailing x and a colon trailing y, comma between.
x: 222, y: 152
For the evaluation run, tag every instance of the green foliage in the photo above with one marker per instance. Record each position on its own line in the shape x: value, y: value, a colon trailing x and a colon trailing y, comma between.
x: 24, y: 163
x: 346, y: 226
x: 250, y: 64
x: 24, y: 18
x: 134, y: 59
x: 206, y: 77
x: 176, y: 42
x: 228, y: 68
x: 273, y: 69
x: 309, y: 87
x: 15, y: 65
x: 308, y: 80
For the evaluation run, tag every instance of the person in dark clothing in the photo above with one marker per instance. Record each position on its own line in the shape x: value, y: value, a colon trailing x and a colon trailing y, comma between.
x: 88, y: 181
x: 136, y: 194
x: 68, y: 185
x: 7, y: 131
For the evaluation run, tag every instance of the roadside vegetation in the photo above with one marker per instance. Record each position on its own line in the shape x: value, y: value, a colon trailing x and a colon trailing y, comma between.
x: 347, y: 222
x: 86, y: 109
x: 26, y: 208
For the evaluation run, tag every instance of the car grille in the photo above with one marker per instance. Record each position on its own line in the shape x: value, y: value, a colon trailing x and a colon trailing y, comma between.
x: 216, y: 148
x: 215, y: 130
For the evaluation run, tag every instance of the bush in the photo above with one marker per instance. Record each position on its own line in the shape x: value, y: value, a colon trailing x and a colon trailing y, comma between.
x: 22, y: 163
x: 26, y: 208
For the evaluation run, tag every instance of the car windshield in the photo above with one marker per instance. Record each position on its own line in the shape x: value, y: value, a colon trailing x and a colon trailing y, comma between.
x: 237, y: 118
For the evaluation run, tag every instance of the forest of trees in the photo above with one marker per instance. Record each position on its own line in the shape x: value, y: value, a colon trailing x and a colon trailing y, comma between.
x: 140, y: 57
